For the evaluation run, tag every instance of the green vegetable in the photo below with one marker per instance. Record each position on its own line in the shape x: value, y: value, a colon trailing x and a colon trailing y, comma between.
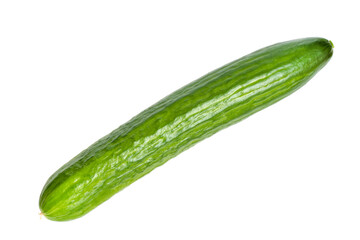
x: 198, y: 110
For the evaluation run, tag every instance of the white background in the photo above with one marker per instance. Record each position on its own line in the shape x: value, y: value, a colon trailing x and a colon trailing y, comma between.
x: 72, y: 71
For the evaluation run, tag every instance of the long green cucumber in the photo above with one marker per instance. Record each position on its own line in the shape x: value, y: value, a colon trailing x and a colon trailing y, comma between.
x: 198, y: 110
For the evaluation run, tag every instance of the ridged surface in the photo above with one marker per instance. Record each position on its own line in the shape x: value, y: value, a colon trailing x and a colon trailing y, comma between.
x: 192, y: 113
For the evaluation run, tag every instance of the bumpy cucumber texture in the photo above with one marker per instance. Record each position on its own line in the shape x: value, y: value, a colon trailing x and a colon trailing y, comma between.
x: 198, y: 110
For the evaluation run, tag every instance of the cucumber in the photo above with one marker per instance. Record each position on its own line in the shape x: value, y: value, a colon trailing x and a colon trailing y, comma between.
x: 196, y: 111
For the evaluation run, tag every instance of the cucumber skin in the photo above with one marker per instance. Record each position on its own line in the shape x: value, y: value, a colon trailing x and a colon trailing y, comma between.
x: 198, y: 110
